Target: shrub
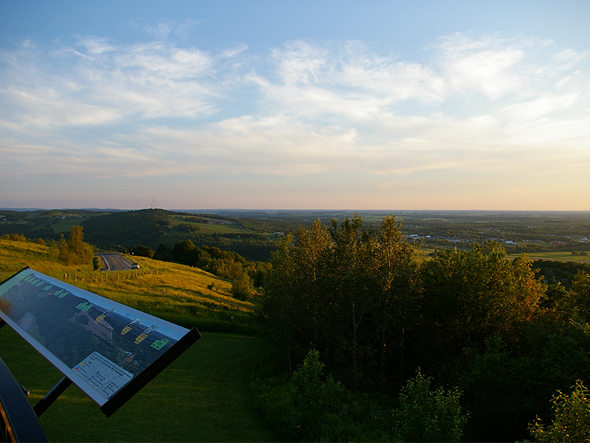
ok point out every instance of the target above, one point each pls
(427, 415)
(309, 407)
(572, 418)
(97, 263)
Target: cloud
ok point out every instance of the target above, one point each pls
(488, 65)
(101, 82)
(478, 107)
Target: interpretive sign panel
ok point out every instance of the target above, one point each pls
(107, 349)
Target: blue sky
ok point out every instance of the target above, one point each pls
(295, 105)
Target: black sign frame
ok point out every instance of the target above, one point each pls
(176, 339)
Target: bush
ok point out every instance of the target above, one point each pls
(97, 263)
(426, 415)
(572, 418)
(309, 407)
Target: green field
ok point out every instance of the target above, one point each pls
(556, 256)
(203, 396)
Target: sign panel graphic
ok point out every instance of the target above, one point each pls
(100, 345)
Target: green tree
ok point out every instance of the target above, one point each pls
(346, 292)
(395, 296)
(350, 268)
(65, 254)
(143, 251)
(241, 287)
(76, 240)
(425, 414)
(53, 250)
(571, 422)
(185, 252)
(467, 297)
(309, 406)
(578, 301)
(75, 250)
(294, 297)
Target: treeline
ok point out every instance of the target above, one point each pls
(72, 250)
(246, 276)
(559, 272)
(252, 246)
(479, 324)
(120, 229)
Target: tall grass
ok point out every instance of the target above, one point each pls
(178, 293)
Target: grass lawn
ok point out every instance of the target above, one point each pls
(203, 396)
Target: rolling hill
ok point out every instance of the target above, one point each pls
(120, 230)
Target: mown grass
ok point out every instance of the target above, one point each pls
(202, 396)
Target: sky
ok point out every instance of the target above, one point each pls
(324, 104)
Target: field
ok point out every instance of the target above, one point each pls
(180, 294)
(556, 256)
(203, 396)
(207, 226)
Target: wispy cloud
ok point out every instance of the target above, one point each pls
(480, 103)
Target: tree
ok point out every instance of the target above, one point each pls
(429, 415)
(467, 297)
(75, 240)
(309, 406)
(241, 287)
(294, 296)
(572, 417)
(143, 251)
(350, 267)
(578, 301)
(185, 252)
(347, 292)
(75, 250)
(53, 251)
(395, 304)
(163, 253)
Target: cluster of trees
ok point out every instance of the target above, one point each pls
(245, 276)
(560, 272)
(471, 320)
(310, 406)
(74, 250)
(22, 238)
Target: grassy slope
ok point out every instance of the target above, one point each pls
(181, 294)
(203, 396)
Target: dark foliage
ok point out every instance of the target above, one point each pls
(472, 319)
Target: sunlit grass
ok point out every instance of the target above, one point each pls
(181, 294)
(203, 396)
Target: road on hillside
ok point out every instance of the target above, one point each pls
(115, 262)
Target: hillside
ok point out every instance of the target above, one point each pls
(181, 294)
(120, 230)
(200, 397)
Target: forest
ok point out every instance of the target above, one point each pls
(466, 345)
